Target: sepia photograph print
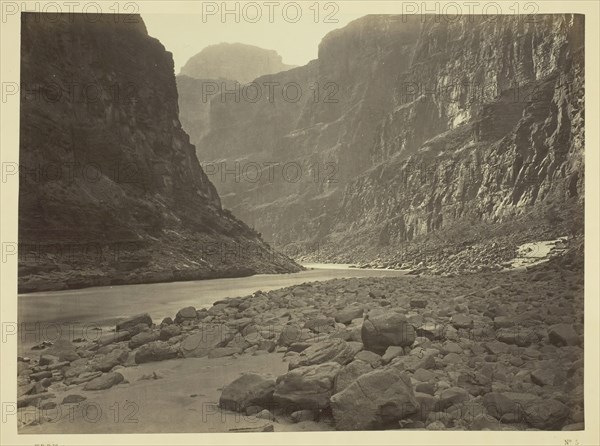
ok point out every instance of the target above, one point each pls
(264, 218)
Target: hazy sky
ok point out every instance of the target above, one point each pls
(187, 34)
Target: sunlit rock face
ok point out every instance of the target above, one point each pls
(407, 128)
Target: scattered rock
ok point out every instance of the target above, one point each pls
(350, 373)
(104, 382)
(248, 390)
(307, 387)
(369, 357)
(201, 343)
(186, 314)
(383, 330)
(156, 351)
(563, 335)
(547, 414)
(131, 323)
(73, 399)
(143, 338)
(64, 350)
(302, 415)
(375, 400)
(346, 315)
(335, 350)
(115, 357)
(392, 352)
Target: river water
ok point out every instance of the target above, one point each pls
(104, 305)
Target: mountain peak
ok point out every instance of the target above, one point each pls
(234, 61)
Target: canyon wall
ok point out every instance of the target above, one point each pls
(111, 190)
(410, 129)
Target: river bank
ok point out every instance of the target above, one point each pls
(497, 350)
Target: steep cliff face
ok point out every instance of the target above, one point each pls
(111, 190)
(220, 69)
(472, 127)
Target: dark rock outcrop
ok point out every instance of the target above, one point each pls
(111, 190)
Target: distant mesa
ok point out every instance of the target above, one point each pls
(234, 61)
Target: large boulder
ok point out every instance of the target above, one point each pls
(385, 329)
(169, 331)
(107, 362)
(209, 337)
(248, 390)
(336, 350)
(292, 334)
(307, 387)
(64, 350)
(346, 315)
(133, 322)
(547, 414)
(375, 400)
(143, 338)
(105, 381)
(155, 351)
(350, 373)
(320, 325)
(186, 314)
(562, 335)
(111, 338)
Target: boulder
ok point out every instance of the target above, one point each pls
(375, 400)
(546, 414)
(143, 338)
(33, 400)
(155, 351)
(308, 387)
(411, 362)
(517, 335)
(64, 350)
(382, 330)
(563, 335)
(201, 343)
(461, 321)
(186, 314)
(292, 334)
(346, 315)
(418, 303)
(115, 357)
(369, 357)
(48, 359)
(392, 352)
(104, 382)
(303, 415)
(544, 377)
(320, 325)
(74, 398)
(336, 350)
(451, 396)
(131, 325)
(248, 390)
(498, 405)
(168, 331)
(350, 373)
(111, 338)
